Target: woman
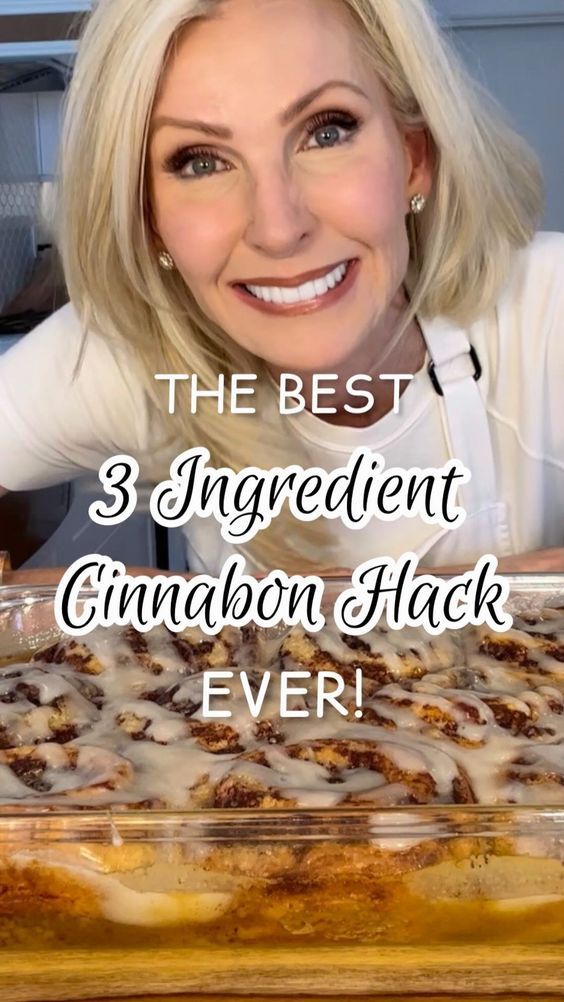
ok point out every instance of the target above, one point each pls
(302, 186)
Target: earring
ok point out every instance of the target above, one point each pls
(166, 261)
(417, 204)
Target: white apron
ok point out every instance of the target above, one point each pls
(467, 435)
(455, 371)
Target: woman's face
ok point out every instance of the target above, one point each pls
(280, 182)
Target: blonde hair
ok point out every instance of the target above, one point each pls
(485, 203)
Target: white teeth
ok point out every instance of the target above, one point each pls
(307, 291)
(289, 295)
(299, 293)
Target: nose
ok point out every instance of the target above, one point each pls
(279, 221)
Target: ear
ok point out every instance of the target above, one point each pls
(419, 158)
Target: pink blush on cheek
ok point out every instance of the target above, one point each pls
(199, 234)
(374, 195)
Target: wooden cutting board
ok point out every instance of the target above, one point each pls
(50, 976)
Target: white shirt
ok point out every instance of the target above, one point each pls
(54, 427)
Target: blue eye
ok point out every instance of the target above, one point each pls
(331, 128)
(325, 131)
(203, 162)
(328, 135)
(203, 165)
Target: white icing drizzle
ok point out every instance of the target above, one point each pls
(116, 720)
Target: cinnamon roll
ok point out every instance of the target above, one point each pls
(70, 652)
(431, 729)
(383, 655)
(68, 773)
(38, 705)
(116, 721)
(536, 775)
(532, 650)
(327, 772)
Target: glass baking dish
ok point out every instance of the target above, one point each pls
(354, 876)
(206, 879)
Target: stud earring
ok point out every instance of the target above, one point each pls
(417, 204)
(166, 261)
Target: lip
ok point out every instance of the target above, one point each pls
(296, 309)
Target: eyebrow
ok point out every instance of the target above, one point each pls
(285, 118)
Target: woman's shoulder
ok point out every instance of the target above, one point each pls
(81, 357)
(546, 250)
(520, 343)
(546, 243)
(538, 270)
(71, 396)
(65, 333)
(58, 333)
(530, 305)
(521, 348)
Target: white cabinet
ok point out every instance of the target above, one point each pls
(38, 29)
(36, 53)
(16, 7)
(49, 109)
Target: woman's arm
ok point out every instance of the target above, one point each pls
(67, 403)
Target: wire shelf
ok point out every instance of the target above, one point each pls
(20, 190)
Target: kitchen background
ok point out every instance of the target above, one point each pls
(515, 47)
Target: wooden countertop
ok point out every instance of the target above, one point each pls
(466, 974)
(325, 998)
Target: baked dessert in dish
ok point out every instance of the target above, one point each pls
(435, 815)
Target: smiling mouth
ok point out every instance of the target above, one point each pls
(307, 292)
